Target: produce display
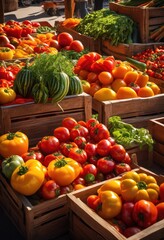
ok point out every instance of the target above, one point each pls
(106, 78)
(142, 3)
(76, 155)
(131, 203)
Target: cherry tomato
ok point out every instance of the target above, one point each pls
(50, 190)
(66, 189)
(105, 165)
(49, 144)
(93, 201)
(103, 147)
(89, 178)
(117, 152)
(89, 168)
(69, 122)
(62, 134)
(78, 180)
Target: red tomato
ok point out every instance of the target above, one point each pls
(93, 201)
(161, 191)
(130, 231)
(69, 122)
(126, 213)
(91, 123)
(111, 140)
(145, 213)
(78, 180)
(76, 46)
(121, 168)
(160, 208)
(35, 24)
(80, 141)
(62, 134)
(66, 189)
(127, 158)
(54, 43)
(77, 131)
(117, 152)
(51, 157)
(27, 22)
(50, 190)
(89, 168)
(82, 123)
(28, 155)
(93, 159)
(90, 149)
(78, 154)
(49, 144)
(39, 156)
(99, 132)
(105, 165)
(103, 147)
(66, 147)
(64, 39)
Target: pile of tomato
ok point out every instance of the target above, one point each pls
(154, 59)
(83, 152)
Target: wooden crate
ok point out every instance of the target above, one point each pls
(38, 120)
(147, 19)
(88, 42)
(44, 221)
(126, 50)
(156, 128)
(86, 224)
(129, 109)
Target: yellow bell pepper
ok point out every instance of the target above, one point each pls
(112, 185)
(64, 171)
(137, 186)
(6, 53)
(111, 205)
(28, 178)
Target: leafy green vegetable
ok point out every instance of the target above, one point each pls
(107, 24)
(127, 135)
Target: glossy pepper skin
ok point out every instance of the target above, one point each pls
(7, 95)
(64, 171)
(111, 204)
(10, 164)
(28, 178)
(13, 143)
(6, 53)
(139, 186)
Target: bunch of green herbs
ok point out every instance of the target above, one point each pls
(106, 24)
(128, 135)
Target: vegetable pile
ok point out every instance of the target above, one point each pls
(76, 155)
(107, 24)
(154, 60)
(130, 203)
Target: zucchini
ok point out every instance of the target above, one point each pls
(139, 65)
